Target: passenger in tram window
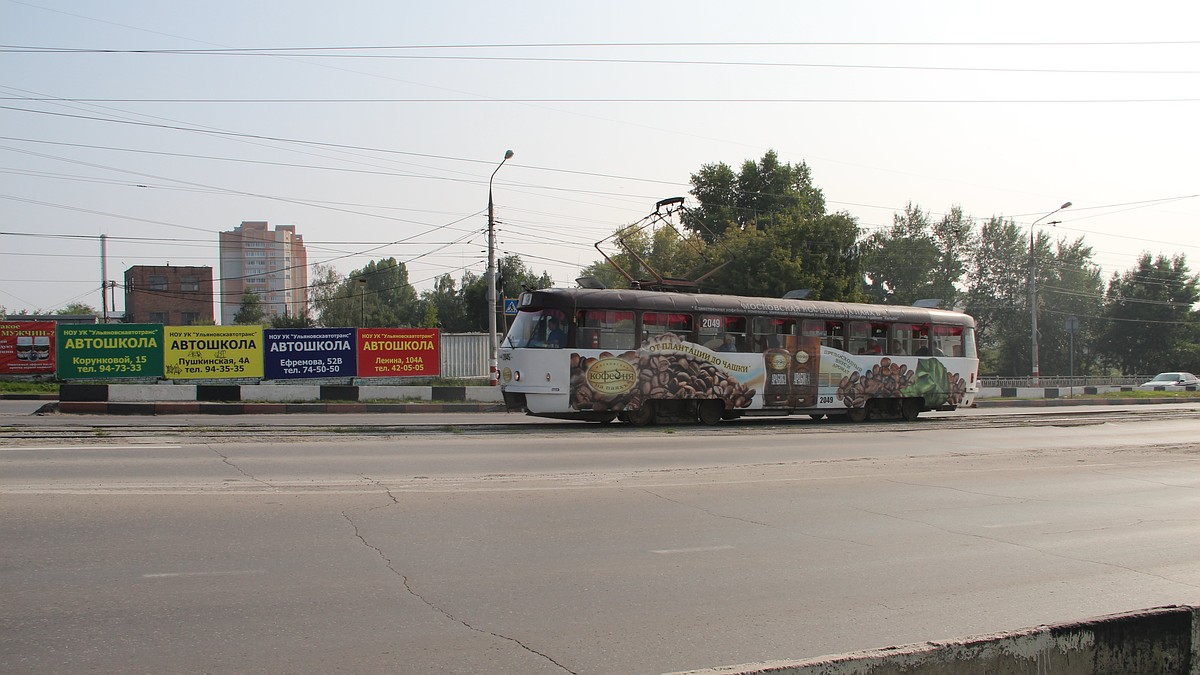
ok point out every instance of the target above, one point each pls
(873, 347)
(897, 348)
(728, 343)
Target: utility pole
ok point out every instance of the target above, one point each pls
(493, 342)
(104, 276)
(1033, 313)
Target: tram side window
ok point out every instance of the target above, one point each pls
(867, 338)
(604, 329)
(835, 335)
(948, 340)
(657, 323)
(723, 333)
(910, 338)
(771, 332)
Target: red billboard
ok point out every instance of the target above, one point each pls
(27, 347)
(398, 352)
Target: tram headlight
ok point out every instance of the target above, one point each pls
(517, 375)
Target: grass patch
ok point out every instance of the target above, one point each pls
(1146, 394)
(28, 388)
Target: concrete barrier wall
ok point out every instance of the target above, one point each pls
(272, 393)
(1162, 641)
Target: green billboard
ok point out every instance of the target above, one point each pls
(103, 351)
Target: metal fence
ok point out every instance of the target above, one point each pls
(464, 356)
(1064, 381)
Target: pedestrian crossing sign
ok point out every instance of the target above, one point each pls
(510, 307)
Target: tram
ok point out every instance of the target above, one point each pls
(646, 356)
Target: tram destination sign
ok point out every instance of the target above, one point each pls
(105, 351)
(309, 352)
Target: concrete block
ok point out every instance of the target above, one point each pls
(152, 392)
(280, 393)
(83, 392)
(382, 393)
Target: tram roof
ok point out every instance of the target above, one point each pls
(612, 298)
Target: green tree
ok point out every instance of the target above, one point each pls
(762, 229)
(77, 308)
(668, 251)
(759, 194)
(917, 258)
(251, 310)
(819, 255)
(287, 321)
(997, 296)
(512, 277)
(445, 303)
(1069, 285)
(1149, 312)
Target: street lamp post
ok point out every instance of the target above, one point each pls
(493, 342)
(1033, 313)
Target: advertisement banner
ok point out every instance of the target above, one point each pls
(215, 352)
(309, 352)
(92, 351)
(399, 352)
(27, 347)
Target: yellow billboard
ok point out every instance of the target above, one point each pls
(212, 352)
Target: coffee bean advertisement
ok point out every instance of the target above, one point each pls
(798, 374)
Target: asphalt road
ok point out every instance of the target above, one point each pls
(555, 549)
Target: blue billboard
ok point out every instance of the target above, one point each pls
(290, 353)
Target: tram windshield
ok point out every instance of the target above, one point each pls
(539, 329)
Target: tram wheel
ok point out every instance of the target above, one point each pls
(641, 417)
(910, 408)
(857, 415)
(710, 411)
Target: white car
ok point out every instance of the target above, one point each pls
(1171, 382)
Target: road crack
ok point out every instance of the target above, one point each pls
(430, 604)
(239, 469)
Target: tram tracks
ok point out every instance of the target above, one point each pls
(126, 431)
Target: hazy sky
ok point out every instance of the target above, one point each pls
(373, 126)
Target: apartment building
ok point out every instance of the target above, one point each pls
(170, 295)
(271, 262)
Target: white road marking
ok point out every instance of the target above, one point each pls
(698, 549)
(172, 575)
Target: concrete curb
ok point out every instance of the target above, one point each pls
(1060, 402)
(1158, 640)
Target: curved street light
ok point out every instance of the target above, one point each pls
(493, 343)
(1033, 313)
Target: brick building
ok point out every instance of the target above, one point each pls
(272, 263)
(170, 295)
